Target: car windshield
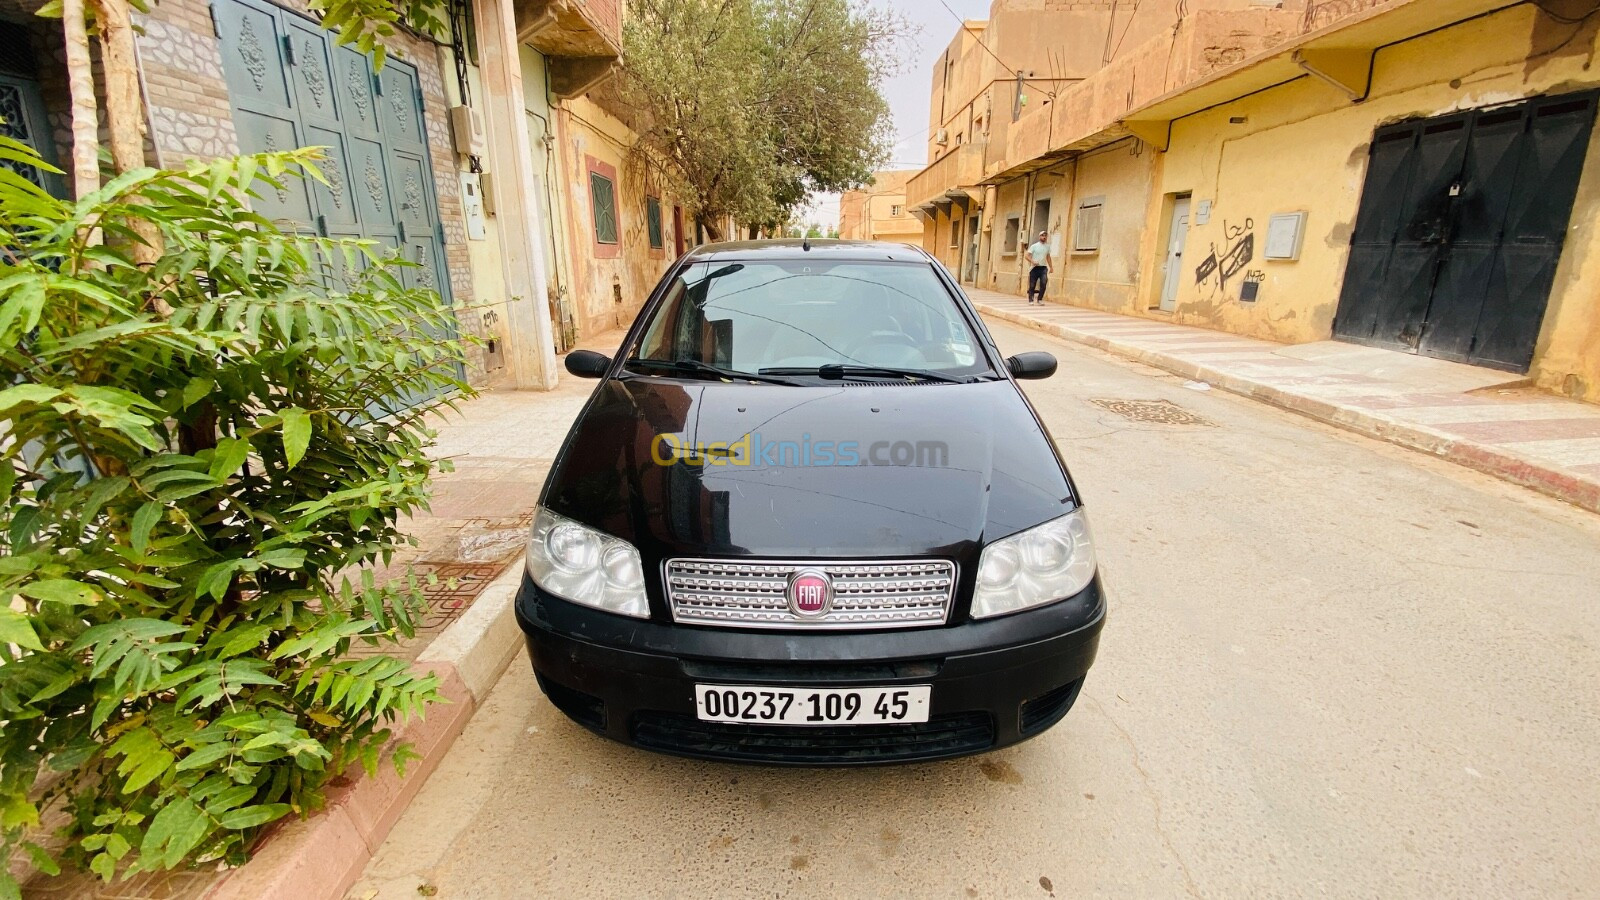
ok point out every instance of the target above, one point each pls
(792, 318)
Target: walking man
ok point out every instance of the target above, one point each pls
(1039, 275)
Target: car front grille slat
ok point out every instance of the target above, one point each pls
(736, 594)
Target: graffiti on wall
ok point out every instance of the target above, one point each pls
(1237, 252)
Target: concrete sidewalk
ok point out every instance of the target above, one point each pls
(1475, 417)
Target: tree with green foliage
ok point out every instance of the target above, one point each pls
(201, 457)
(747, 106)
(210, 432)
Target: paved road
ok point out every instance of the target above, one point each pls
(1332, 668)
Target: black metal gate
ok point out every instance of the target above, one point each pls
(1461, 226)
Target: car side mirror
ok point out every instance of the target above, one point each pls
(589, 364)
(1033, 364)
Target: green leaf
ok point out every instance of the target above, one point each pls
(217, 579)
(62, 590)
(16, 629)
(17, 395)
(177, 829)
(143, 521)
(199, 386)
(251, 816)
(296, 434)
(41, 859)
(289, 558)
(205, 756)
(229, 455)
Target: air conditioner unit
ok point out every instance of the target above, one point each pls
(941, 137)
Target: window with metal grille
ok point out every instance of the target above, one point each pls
(652, 220)
(894, 210)
(603, 194)
(1087, 225)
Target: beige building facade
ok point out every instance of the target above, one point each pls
(878, 212)
(1415, 175)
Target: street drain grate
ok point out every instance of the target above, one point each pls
(1153, 412)
(459, 584)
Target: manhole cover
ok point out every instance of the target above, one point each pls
(1155, 412)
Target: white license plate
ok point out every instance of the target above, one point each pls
(812, 706)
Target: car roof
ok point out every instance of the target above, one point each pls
(797, 248)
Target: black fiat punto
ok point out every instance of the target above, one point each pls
(808, 518)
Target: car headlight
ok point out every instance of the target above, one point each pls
(579, 563)
(1046, 563)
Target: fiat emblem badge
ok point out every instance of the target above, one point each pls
(810, 593)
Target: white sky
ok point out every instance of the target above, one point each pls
(907, 92)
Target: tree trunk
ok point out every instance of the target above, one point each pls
(125, 120)
(124, 106)
(709, 224)
(80, 84)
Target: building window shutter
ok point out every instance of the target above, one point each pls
(1087, 225)
(604, 196)
(652, 216)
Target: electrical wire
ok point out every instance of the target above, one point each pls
(1562, 18)
(1125, 29)
(979, 40)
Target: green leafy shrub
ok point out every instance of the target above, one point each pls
(198, 459)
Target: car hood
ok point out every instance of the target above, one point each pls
(859, 470)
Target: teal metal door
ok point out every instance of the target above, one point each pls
(291, 86)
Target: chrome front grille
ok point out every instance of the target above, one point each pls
(892, 594)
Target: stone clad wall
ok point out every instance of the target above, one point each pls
(183, 83)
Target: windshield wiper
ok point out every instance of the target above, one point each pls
(839, 372)
(695, 367)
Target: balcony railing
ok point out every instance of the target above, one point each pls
(960, 168)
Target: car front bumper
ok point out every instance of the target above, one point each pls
(994, 682)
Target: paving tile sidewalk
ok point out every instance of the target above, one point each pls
(1476, 417)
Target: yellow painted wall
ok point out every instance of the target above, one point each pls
(1004, 263)
(1303, 146)
(1120, 176)
(586, 131)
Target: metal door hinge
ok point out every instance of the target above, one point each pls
(216, 27)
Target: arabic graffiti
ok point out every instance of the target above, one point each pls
(1239, 250)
